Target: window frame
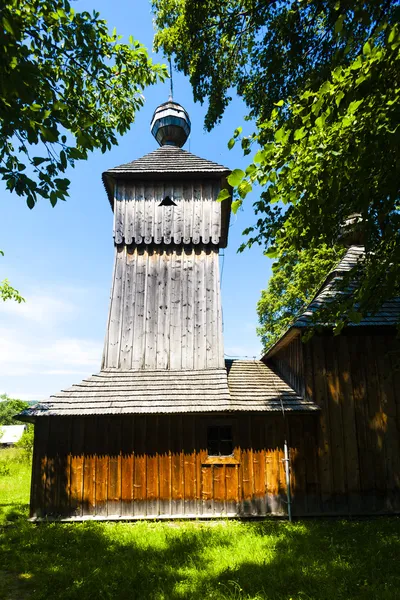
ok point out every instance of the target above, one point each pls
(232, 459)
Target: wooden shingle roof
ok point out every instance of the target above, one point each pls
(168, 159)
(387, 315)
(242, 386)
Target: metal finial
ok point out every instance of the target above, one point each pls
(171, 89)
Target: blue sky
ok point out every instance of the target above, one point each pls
(61, 259)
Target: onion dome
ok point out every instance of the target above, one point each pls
(170, 124)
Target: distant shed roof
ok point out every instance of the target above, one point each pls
(166, 161)
(250, 386)
(10, 434)
(387, 316)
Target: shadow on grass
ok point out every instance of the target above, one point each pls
(272, 560)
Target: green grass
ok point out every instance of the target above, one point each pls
(274, 560)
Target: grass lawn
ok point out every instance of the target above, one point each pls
(274, 560)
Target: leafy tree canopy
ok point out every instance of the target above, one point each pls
(322, 81)
(67, 87)
(7, 292)
(294, 280)
(10, 407)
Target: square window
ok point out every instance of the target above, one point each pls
(219, 440)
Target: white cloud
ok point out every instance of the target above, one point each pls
(23, 355)
(39, 308)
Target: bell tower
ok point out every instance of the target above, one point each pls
(165, 307)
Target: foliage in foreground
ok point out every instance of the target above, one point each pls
(67, 87)
(322, 81)
(10, 407)
(294, 281)
(264, 560)
(7, 292)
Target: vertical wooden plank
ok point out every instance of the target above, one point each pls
(114, 466)
(177, 465)
(324, 434)
(151, 314)
(101, 466)
(39, 468)
(310, 423)
(388, 426)
(140, 485)
(207, 506)
(139, 213)
(177, 225)
(89, 466)
(336, 423)
(198, 455)
(127, 466)
(232, 488)
(149, 202)
(377, 421)
(158, 213)
(349, 424)
(129, 212)
(140, 318)
(258, 445)
(77, 448)
(127, 336)
(199, 312)
(152, 475)
(219, 489)
(163, 309)
(189, 465)
(164, 464)
(177, 311)
(116, 307)
(297, 465)
(62, 437)
(359, 385)
(210, 312)
(187, 357)
(219, 341)
(168, 215)
(247, 466)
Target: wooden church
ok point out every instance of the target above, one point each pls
(168, 428)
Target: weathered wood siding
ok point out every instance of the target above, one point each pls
(165, 309)
(355, 379)
(196, 218)
(289, 364)
(149, 466)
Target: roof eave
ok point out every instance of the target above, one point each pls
(283, 341)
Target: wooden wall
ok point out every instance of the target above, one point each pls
(150, 466)
(195, 218)
(165, 309)
(355, 379)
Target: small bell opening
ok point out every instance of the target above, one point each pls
(167, 202)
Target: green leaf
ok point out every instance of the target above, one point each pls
(236, 177)
(259, 156)
(339, 97)
(280, 103)
(223, 195)
(236, 204)
(237, 132)
(299, 134)
(271, 252)
(339, 24)
(37, 160)
(354, 105)
(231, 143)
(244, 188)
(367, 48)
